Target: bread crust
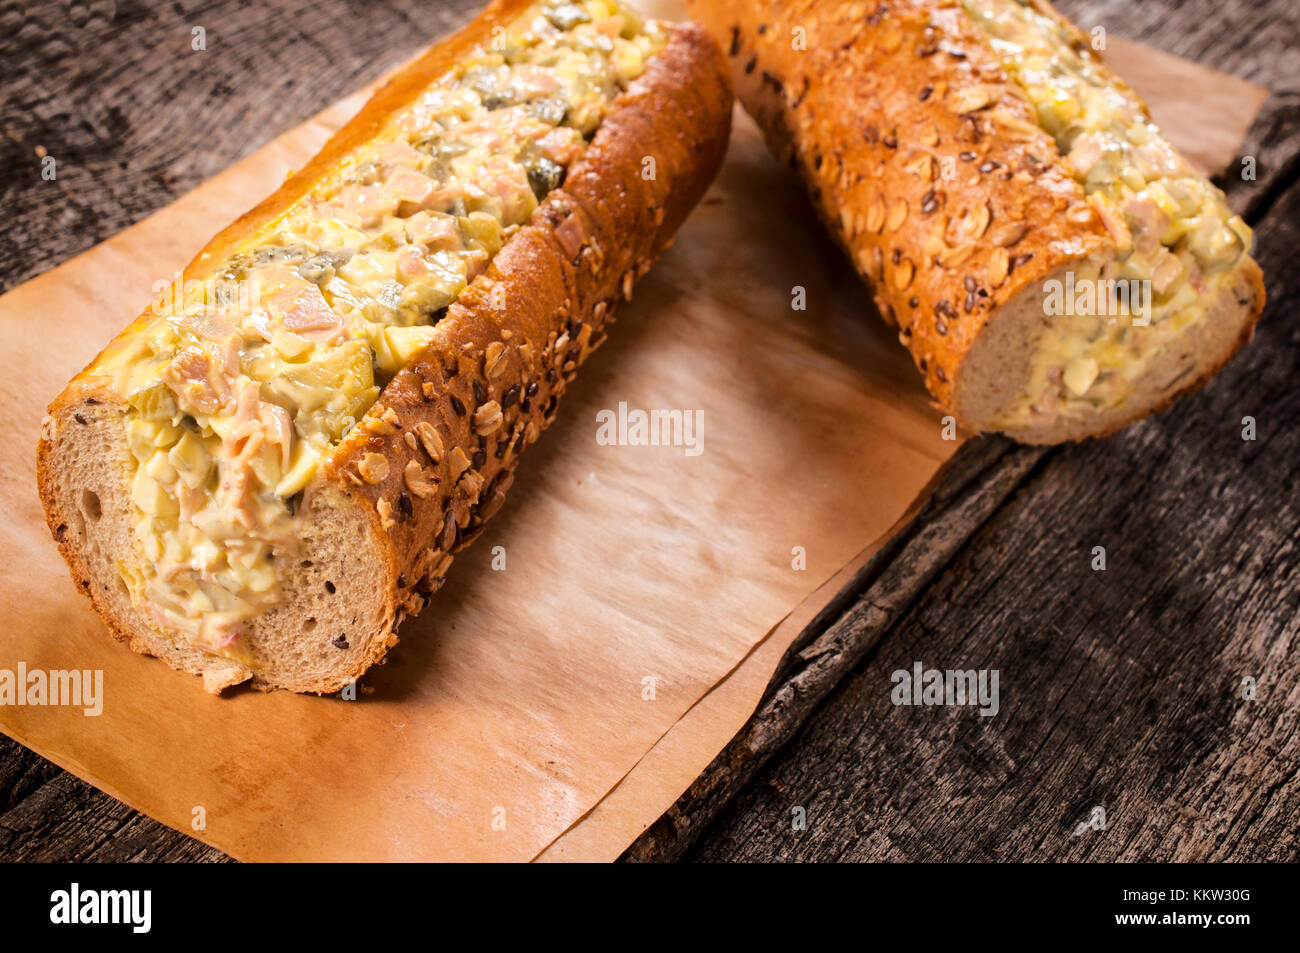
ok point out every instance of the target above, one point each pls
(546, 299)
(925, 161)
(507, 348)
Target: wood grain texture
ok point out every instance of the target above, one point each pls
(1120, 689)
(135, 117)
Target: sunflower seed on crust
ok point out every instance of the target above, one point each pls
(429, 439)
(999, 265)
(459, 464)
(373, 468)
(416, 480)
(492, 363)
(897, 215)
(487, 419)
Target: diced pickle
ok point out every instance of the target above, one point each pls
(342, 371)
(565, 16)
(318, 269)
(549, 109)
(424, 299)
(544, 176)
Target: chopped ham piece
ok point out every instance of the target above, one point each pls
(531, 81)
(476, 262)
(505, 180)
(1157, 160)
(433, 231)
(191, 500)
(1112, 220)
(209, 325)
(258, 322)
(217, 337)
(493, 132)
(1149, 223)
(443, 199)
(241, 448)
(396, 152)
(225, 632)
(411, 189)
(191, 377)
(275, 276)
(247, 418)
(278, 427)
(410, 263)
(362, 205)
(570, 235)
(305, 312)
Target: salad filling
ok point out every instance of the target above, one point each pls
(240, 388)
(1178, 239)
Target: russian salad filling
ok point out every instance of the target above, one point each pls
(241, 388)
(1173, 228)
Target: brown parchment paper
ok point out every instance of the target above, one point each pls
(514, 718)
(1207, 114)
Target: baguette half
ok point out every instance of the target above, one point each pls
(413, 481)
(989, 176)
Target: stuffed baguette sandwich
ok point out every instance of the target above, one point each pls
(259, 478)
(1055, 267)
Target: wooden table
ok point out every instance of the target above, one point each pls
(1121, 689)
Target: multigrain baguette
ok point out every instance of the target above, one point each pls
(412, 481)
(979, 164)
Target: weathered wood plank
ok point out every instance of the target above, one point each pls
(136, 118)
(1215, 39)
(66, 820)
(1120, 689)
(21, 772)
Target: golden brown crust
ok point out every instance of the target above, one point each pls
(516, 336)
(398, 92)
(433, 458)
(950, 208)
